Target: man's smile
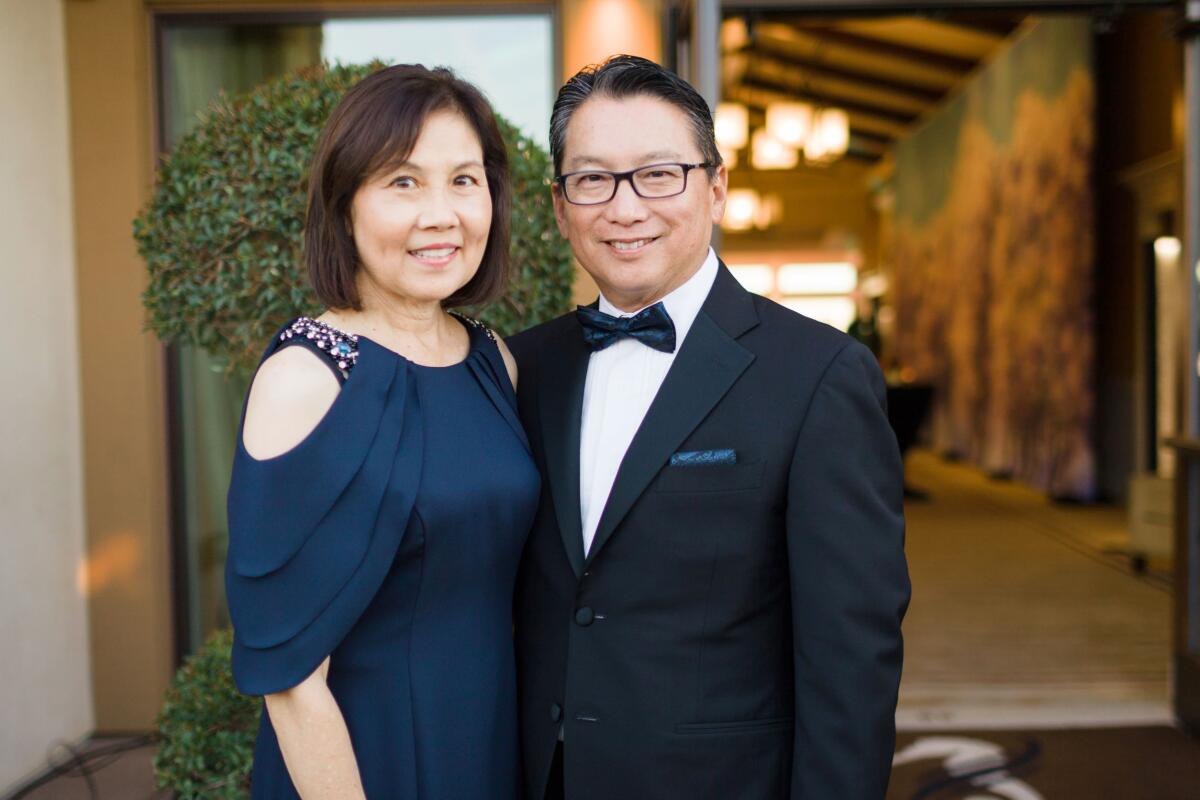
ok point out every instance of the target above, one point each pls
(630, 246)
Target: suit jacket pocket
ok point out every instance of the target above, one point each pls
(710, 478)
(742, 726)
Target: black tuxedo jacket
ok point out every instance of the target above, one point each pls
(734, 632)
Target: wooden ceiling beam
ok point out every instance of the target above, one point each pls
(855, 41)
(924, 35)
(844, 52)
(758, 81)
(759, 67)
(918, 93)
(998, 23)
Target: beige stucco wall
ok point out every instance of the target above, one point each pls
(45, 689)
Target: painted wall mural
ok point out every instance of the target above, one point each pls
(992, 262)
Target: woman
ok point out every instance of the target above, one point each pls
(382, 487)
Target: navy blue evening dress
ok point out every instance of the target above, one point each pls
(389, 538)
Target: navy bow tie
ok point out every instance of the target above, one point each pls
(651, 326)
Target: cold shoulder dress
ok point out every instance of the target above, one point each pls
(389, 539)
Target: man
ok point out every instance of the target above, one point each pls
(709, 604)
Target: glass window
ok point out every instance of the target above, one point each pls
(509, 56)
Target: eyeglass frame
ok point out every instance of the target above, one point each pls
(627, 175)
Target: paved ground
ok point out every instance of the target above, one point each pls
(124, 775)
(1021, 614)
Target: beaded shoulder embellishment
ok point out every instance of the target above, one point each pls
(342, 347)
(474, 323)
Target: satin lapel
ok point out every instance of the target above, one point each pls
(709, 362)
(560, 405)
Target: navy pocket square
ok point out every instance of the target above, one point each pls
(703, 458)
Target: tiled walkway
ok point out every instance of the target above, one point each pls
(1021, 616)
(127, 775)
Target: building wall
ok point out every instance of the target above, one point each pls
(45, 692)
(994, 261)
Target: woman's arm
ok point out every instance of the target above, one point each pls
(314, 741)
(292, 392)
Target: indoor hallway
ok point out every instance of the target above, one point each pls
(1025, 613)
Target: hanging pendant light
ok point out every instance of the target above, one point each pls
(830, 136)
(732, 124)
(741, 209)
(790, 123)
(767, 152)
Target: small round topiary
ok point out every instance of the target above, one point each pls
(207, 728)
(223, 232)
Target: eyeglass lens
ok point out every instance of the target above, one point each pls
(661, 180)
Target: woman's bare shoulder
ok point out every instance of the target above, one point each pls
(291, 394)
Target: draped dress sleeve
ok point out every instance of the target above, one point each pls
(306, 551)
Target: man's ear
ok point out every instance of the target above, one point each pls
(719, 186)
(560, 209)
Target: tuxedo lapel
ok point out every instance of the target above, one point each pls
(709, 361)
(560, 404)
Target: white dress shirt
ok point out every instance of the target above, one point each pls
(622, 380)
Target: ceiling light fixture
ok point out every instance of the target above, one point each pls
(790, 123)
(767, 152)
(732, 125)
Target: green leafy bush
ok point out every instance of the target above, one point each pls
(222, 235)
(207, 728)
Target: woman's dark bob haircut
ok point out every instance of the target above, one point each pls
(374, 128)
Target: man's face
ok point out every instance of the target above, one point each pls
(638, 250)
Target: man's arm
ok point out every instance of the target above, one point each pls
(849, 584)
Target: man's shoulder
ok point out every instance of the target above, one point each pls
(793, 335)
(529, 343)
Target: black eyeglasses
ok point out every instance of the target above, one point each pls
(591, 187)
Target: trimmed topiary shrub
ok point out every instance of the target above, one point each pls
(207, 728)
(222, 235)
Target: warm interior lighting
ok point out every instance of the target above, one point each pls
(1167, 248)
(767, 152)
(735, 34)
(874, 285)
(741, 207)
(790, 123)
(770, 210)
(732, 125)
(836, 311)
(829, 138)
(756, 278)
(825, 277)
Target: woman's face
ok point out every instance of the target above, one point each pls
(421, 228)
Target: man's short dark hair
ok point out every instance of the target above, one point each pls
(630, 76)
(374, 128)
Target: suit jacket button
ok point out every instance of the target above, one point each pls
(584, 616)
(555, 712)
